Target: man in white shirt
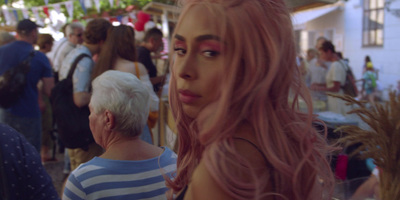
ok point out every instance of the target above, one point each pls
(74, 33)
(318, 70)
(335, 78)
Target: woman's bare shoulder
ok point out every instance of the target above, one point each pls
(248, 146)
(142, 69)
(203, 185)
(124, 66)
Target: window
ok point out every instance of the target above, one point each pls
(373, 23)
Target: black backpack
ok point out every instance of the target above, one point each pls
(13, 82)
(72, 121)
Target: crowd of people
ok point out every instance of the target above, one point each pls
(32, 115)
(232, 93)
(324, 71)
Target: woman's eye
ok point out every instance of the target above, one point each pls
(210, 53)
(180, 51)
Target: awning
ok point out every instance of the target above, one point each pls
(302, 17)
(298, 5)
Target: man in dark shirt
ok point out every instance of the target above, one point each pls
(24, 115)
(152, 43)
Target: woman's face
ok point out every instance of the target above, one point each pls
(324, 55)
(198, 61)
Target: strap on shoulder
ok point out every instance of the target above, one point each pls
(252, 144)
(344, 65)
(27, 62)
(74, 64)
(137, 70)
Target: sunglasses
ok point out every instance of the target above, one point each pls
(78, 35)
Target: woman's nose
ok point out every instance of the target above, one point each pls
(187, 68)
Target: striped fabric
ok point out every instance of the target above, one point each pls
(115, 179)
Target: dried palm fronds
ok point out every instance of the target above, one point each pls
(382, 142)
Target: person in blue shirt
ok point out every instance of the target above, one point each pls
(130, 168)
(24, 115)
(369, 83)
(21, 171)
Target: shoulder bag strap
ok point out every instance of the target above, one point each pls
(74, 64)
(137, 70)
(346, 70)
(28, 61)
(344, 66)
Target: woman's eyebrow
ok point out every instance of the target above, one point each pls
(199, 38)
(207, 37)
(179, 37)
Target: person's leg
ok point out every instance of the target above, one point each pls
(371, 97)
(67, 163)
(47, 128)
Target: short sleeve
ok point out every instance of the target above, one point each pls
(339, 73)
(73, 189)
(82, 75)
(46, 71)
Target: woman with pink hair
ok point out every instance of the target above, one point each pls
(233, 76)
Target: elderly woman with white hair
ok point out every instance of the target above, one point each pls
(129, 168)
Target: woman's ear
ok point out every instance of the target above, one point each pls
(109, 120)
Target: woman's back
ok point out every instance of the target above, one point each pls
(124, 65)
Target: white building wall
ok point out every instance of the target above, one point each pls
(330, 22)
(386, 58)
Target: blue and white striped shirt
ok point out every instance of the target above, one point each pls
(121, 179)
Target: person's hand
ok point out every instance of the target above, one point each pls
(162, 78)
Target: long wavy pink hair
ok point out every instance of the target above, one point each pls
(261, 80)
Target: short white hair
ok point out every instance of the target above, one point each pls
(125, 97)
(71, 27)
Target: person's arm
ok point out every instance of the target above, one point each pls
(48, 85)
(81, 98)
(47, 73)
(42, 105)
(337, 74)
(367, 189)
(157, 79)
(145, 59)
(203, 186)
(322, 87)
(82, 82)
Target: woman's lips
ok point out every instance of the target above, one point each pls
(187, 96)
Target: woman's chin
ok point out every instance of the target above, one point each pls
(190, 111)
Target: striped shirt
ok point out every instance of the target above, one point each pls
(121, 179)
